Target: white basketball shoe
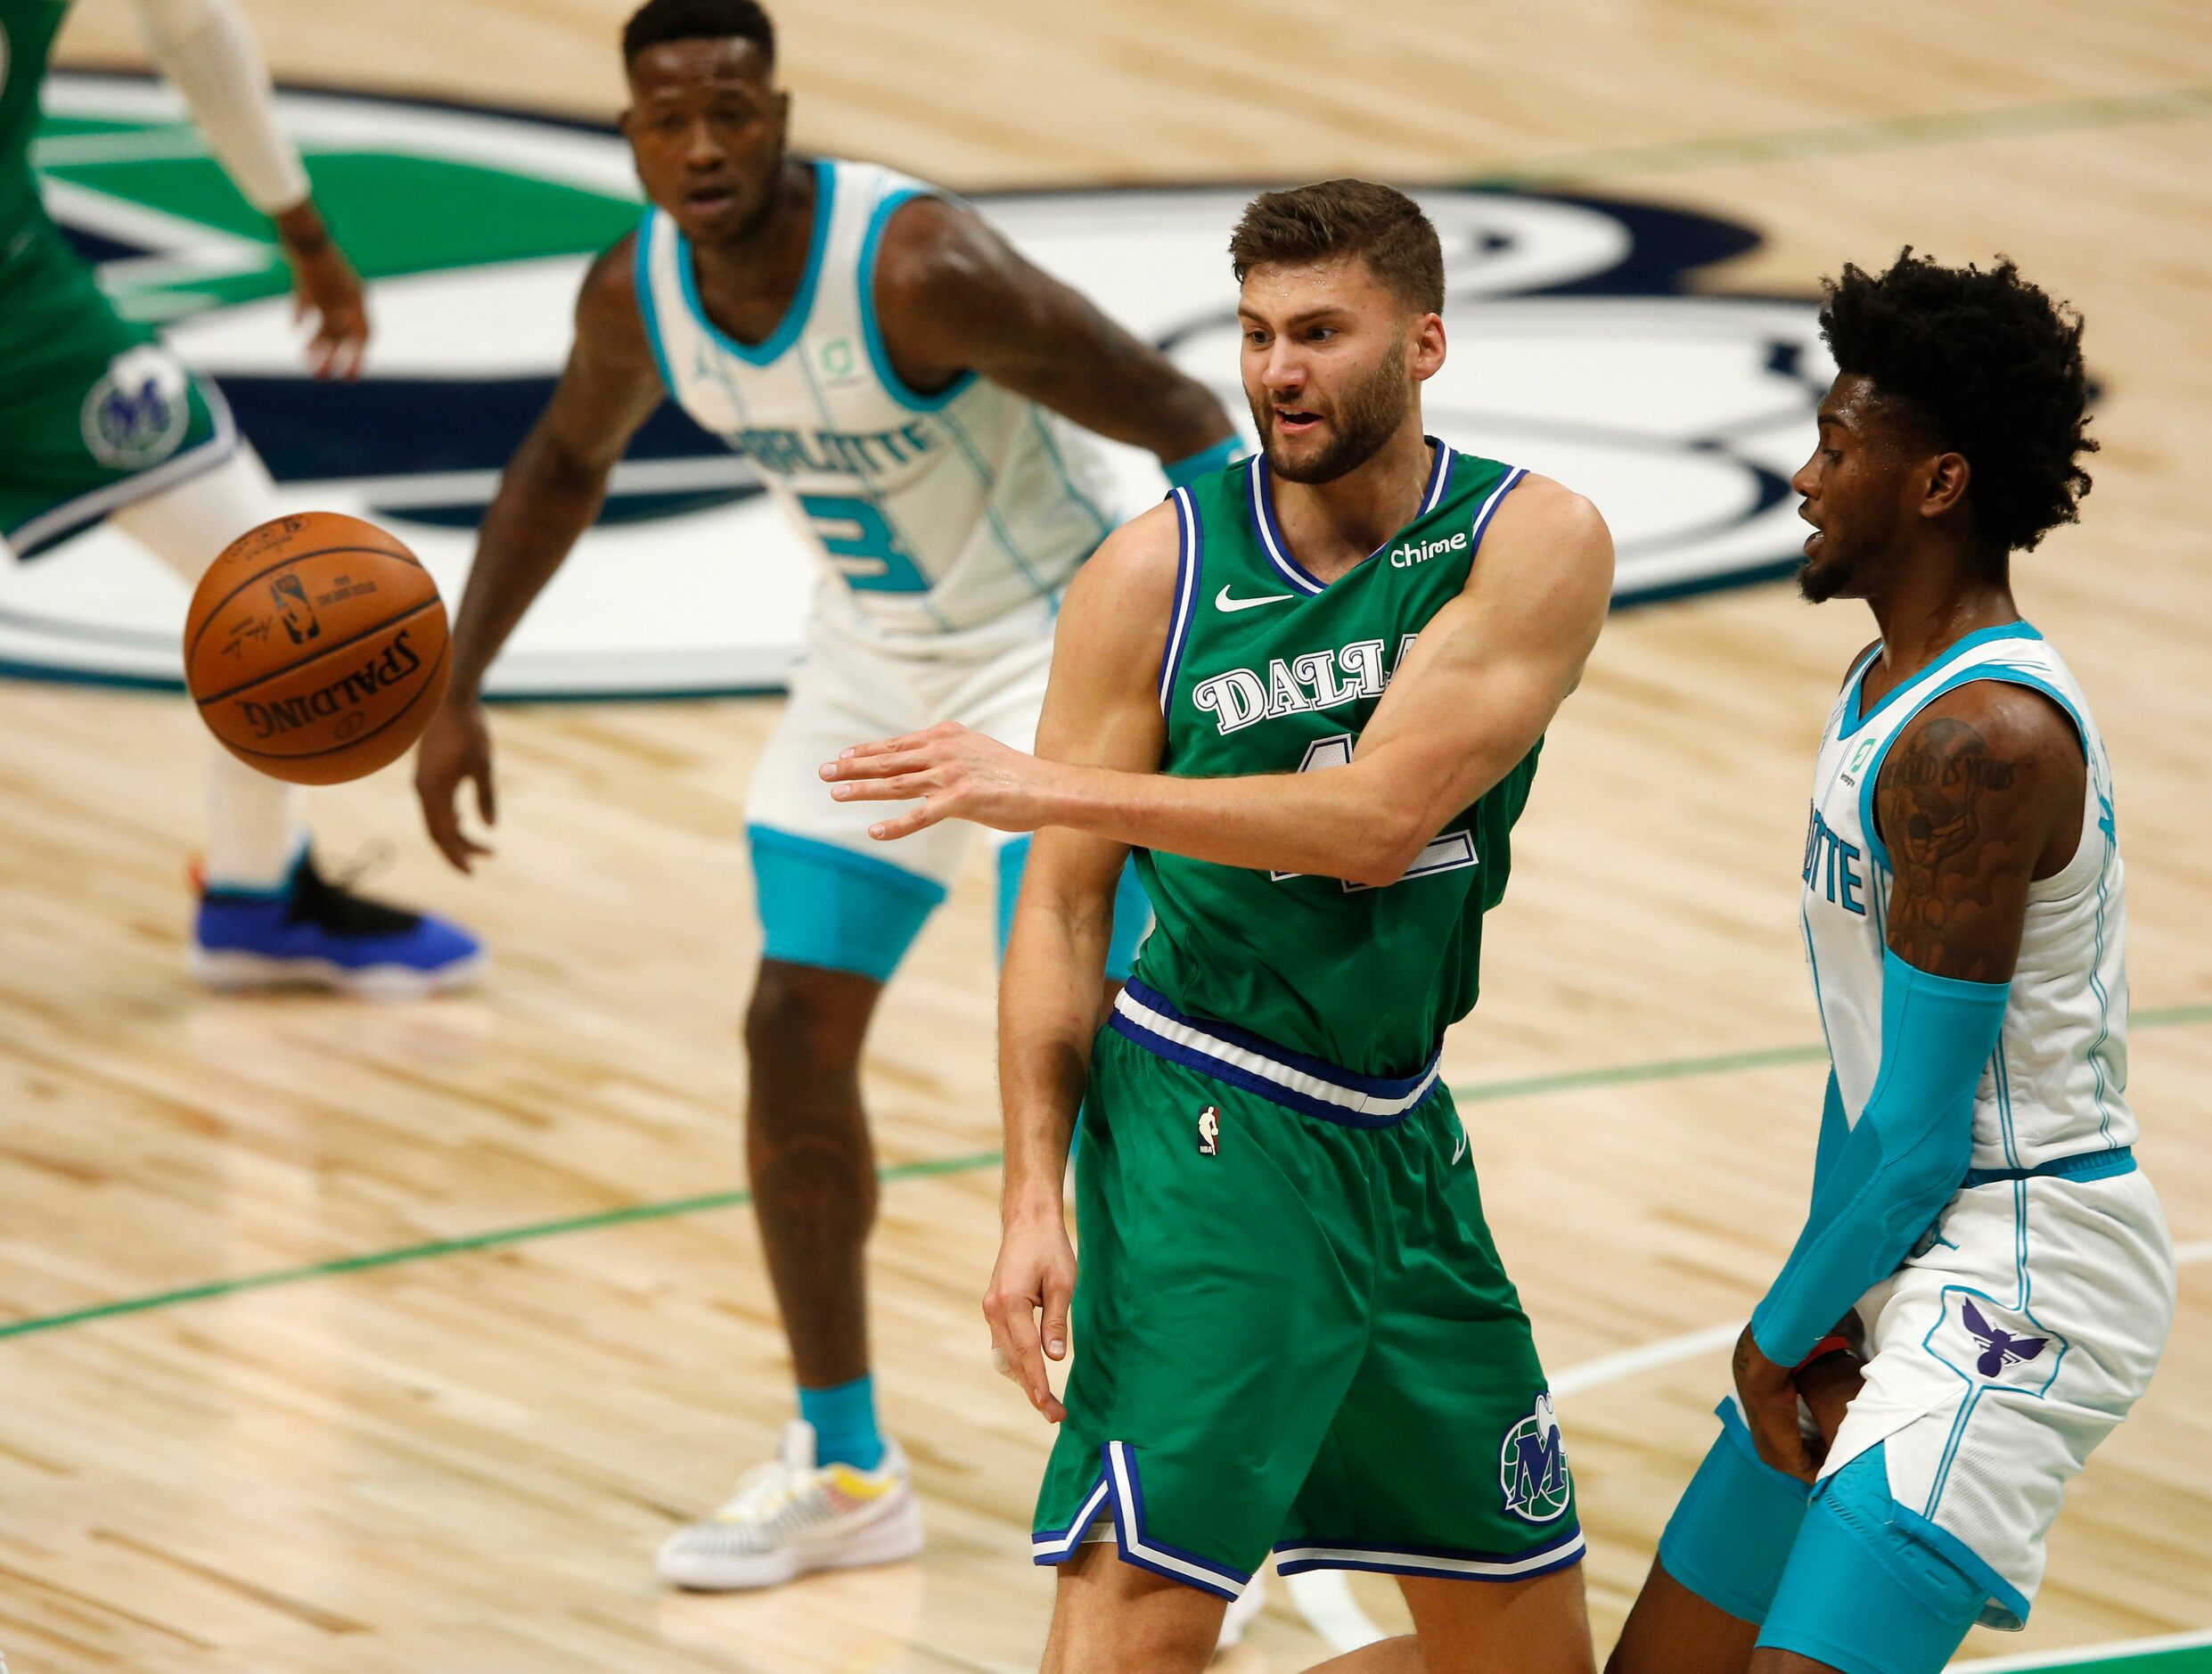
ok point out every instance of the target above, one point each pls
(791, 1516)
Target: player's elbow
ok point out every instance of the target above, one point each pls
(1388, 847)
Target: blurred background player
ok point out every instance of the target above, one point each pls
(1976, 1204)
(901, 378)
(98, 419)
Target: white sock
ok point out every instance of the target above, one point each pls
(256, 824)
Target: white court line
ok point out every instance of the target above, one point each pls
(1325, 1596)
(1613, 1367)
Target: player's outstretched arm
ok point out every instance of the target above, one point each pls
(1981, 795)
(954, 297)
(548, 496)
(1471, 699)
(207, 50)
(1102, 708)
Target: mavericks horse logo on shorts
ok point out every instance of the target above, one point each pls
(1532, 1465)
(136, 415)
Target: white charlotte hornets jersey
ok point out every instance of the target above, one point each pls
(2056, 1084)
(932, 514)
(2030, 1317)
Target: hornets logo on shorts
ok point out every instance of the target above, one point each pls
(1532, 1465)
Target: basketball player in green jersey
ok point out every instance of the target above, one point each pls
(1308, 692)
(98, 419)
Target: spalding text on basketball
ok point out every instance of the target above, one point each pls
(399, 661)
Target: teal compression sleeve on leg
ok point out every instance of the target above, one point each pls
(1903, 1158)
(1862, 1593)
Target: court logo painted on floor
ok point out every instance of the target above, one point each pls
(1577, 349)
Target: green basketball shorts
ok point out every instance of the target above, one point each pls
(1291, 1327)
(95, 411)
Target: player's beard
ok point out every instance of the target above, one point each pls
(1819, 581)
(1851, 560)
(1367, 415)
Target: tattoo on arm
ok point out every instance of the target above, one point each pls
(1965, 826)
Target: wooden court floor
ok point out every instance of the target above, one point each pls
(336, 1338)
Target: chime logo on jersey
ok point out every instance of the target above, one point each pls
(1577, 349)
(1532, 1466)
(1405, 555)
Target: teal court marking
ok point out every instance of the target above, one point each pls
(1474, 1093)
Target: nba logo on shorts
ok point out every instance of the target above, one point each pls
(136, 413)
(1532, 1465)
(1209, 1132)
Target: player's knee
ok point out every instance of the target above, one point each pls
(1671, 1630)
(807, 1020)
(1169, 1644)
(1109, 1617)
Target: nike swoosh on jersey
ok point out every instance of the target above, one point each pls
(1222, 602)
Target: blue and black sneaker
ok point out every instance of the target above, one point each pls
(317, 933)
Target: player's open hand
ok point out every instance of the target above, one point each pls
(948, 773)
(1035, 1279)
(456, 748)
(325, 291)
(1768, 1395)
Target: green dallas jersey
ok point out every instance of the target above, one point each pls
(1269, 670)
(26, 32)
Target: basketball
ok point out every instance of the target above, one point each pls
(316, 648)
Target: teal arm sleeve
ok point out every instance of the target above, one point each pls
(1886, 1183)
(1184, 471)
(1834, 1129)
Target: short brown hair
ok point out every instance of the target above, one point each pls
(1378, 223)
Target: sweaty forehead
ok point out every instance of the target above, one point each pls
(674, 68)
(1858, 406)
(1850, 401)
(1284, 289)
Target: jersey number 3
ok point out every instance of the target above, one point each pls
(860, 543)
(1445, 853)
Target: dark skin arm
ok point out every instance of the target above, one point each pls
(548, 496)
(1981, 796)
(954, 297)
(325, 286)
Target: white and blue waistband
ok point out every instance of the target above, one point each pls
(1243, 1059)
